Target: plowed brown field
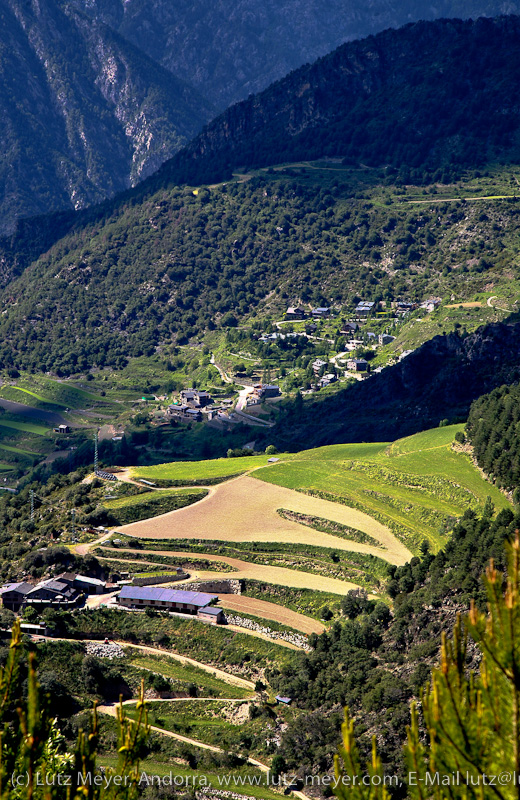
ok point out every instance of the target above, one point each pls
(245, 510)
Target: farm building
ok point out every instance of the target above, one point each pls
(295, 312)
(12, 595)
(83, 583)
(321, 312)
(179, 600)
(196, 398)
(211, 614)
(52, 592)
(34, 629)
(364, 308)
(265, 390)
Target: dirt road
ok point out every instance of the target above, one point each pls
(234, 680)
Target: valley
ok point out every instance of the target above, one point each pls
(351, 515)
(259, 400)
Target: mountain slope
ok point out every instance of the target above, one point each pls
(438, 380)
(84, 113)
(231, 48)
(137, 276)
(424, 96)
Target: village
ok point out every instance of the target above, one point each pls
(345, 350)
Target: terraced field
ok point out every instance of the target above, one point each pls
(186, 472)
(245, 510)
(416, 486)
(398, 494)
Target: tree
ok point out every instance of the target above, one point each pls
(472, 721)
(278, 766)
(33, 751)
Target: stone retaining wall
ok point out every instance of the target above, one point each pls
(298, 639)
(229, 586)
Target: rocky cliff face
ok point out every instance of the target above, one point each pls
(84, 113)
(231, 48)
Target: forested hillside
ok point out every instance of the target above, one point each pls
(424, 97)
(375, 663)
(229, 49)
(139, 275)
(494, 431)
(84, 113)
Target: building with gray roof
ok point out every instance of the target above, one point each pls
(179, 600)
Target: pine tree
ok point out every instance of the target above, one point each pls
(464, 736)
(34, 762)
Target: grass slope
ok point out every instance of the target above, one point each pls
(186, 673)
(186, 472)
(417, 485)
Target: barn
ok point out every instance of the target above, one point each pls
(178, 600)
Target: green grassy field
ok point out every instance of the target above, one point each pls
(25, 427)
(37, 390)
(186, 472)
(132, 508)
(417, 486)
(150, 497)
(202, 721)
(18, 450)
(205, 682)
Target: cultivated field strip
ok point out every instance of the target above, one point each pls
(261, 608)
(278, 576)
(245, 510)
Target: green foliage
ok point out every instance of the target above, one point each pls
(202, 261)
(494, 431)
(34, 760)
(471, 720)
(375, 662)
(239, 452)
(326, 526)
(417, 486)
(131, 509)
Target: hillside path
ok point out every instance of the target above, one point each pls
(234, 680)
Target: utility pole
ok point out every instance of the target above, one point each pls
(32, 505)
(73, 513)
(96, 451)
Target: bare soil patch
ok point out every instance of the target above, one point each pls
(266, 610)
(245, 510)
